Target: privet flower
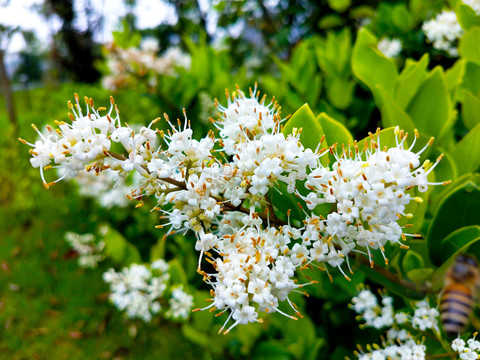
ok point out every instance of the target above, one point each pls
(443, 32)
(126, 66)
(90, 251)
(218, 187)
(137, 289)
(391, 48)
(398, 343)
(469, 350)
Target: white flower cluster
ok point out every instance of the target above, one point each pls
(370, 191)
(409, 350)
(137, 289)
(399, 343)
(376, 316)
(443, 32)
(107, 187)
(425, 317)
(181, 304)
(219, 188)
(469, 350)
(391, 48)
(125, 64)
(90, 252)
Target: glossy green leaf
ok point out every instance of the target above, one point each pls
(157, 251)
(466, 16)
(119, 249)
(420, 275)
(457, 209)
(457, 241)
(196, 336)
(387, 138)
(312, 131)
(446, 169)
(392, 286)
(450, 189)
(283, 201)
(335, 131)
(132, 255)
(393, 115)
(430, 108)
(330, 21)
(418, 210)
(271, 350)
(340, 91)
(371, 67)
(470, 109)
(339, 5)
(454, 75)
(402, 18)
(409, 80)
(202, 320)
(471, 77)
(177, 273)
(412, 260)
(468, 47)
(467, 152)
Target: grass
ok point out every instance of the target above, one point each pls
(49, 307)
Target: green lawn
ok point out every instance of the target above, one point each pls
(49, 307)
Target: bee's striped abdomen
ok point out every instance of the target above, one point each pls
(455, 307)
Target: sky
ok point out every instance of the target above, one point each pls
(150, 13)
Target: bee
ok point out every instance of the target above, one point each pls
(457, 299)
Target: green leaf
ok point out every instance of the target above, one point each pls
(330, 21)
(457, 209)
(157, 251)
(334, 54)
(454, 75)
(446, 168)
(271, 350)
(387, 138)
(466, 16)
(393, 115)
(401, 18)
(132, 255)
(470, 109)
(340, 91)
(198, 337)
(203, 320)
(335, 131)
(471, 77)
(468, 47)
(430, 108)
(450, 189)
(119, 249)
(312, 131)
(177, 273)
(389, 284)
(410, 79)
(457, 241)
(412, 260)
(371, 67)
(467, 152)
(419, 276)
(339, 5)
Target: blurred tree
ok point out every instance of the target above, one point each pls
(30, 67)
(75, 49)
(252, 30)
(6, 33)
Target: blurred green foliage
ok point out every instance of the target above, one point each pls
(336, 83)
